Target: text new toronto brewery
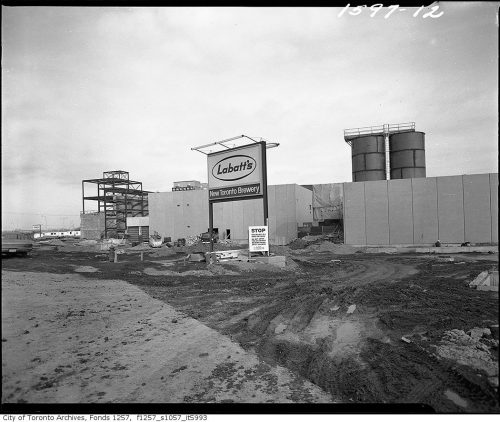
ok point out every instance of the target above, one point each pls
(249, 190)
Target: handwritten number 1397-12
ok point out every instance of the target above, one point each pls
(433, 13)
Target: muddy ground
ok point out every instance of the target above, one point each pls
(333, 326)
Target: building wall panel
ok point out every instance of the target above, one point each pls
(158, 206)
(219, 222)
(271, 204)
(494, 206)
(92, 225)
(400, 211)
(168, 215)
(281, 211)
(377, 213)
(237, 212)
(477, 208)
(354, 213)
(291, 212)
(231, 219)
(225, 216)
(178, 215)
(425, 214)
(253, 215)
(273, 238)
(304, 209)
(195, 213)
(450, 209)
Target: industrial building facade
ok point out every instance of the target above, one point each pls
(181, 214)
(420, 211)
(416, 211)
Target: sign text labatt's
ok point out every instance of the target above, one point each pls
(235, 173)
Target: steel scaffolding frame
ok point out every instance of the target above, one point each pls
(118, 197)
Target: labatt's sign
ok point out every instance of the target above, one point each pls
(235, 167)
(235, 173)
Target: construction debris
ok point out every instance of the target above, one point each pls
(192, 240)
(486, 280)
(445, 259)
(477, 333)
(196, 257)
(471, 351)
(155, 240)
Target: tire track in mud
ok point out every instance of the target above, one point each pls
(312, 334)
(299, 319)
(365, 371)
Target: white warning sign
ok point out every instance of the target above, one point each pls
(258, 239)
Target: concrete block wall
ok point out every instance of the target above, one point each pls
(425, 210)
(354, 213)
(453, 209)
(92, 225)
(304, 208)
(185, 213)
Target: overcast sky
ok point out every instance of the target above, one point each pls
(87, 90)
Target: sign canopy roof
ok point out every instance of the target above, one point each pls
(236, 141)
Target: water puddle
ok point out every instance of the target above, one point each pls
(455, 398)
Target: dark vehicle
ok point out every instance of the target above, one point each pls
(205, 237)
(16, 244)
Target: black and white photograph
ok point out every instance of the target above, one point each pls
(249, 210)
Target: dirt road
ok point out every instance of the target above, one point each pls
(67, 338)
(361, 328)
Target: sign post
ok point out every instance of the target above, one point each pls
(236, 174)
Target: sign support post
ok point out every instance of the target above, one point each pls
(264, 189)
(211, 224)
(236, 173)
(264, 183)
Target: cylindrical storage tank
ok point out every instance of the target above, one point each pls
(407, 155)
(368, 158)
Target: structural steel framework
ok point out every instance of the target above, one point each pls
(118, 197)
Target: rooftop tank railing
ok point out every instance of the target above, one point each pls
(378, 130)
(360, 131)
(401, 127)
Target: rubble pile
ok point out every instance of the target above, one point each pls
(192, 240)
(471, 349)
(106, 244)
(225, 241)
